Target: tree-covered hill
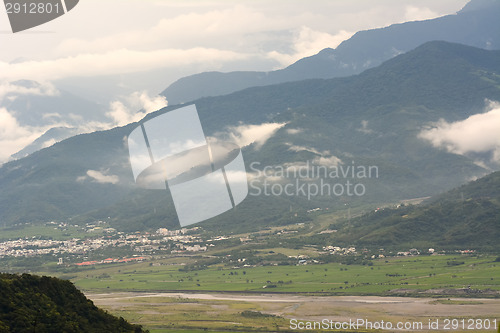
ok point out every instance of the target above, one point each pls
(465, 217)
(30, 303)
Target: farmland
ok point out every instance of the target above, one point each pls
(459, 275)
(164, 296)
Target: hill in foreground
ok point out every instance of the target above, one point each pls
(30, 303)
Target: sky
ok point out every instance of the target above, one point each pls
(122, 53)
(114, 37)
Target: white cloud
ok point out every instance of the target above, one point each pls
(414, 13)
(213, 27)
(53, 115)
(134, 107)
(150, 104)
(364, 127)
(297, 148)
(324, 158)
(11, 90)
(13, 136)
(480, 133)
(308, 42)
(49, 143)
(81, 179)
(293, 130)
(245, 135)
(330, 161)
(120, 61)
(100, 177)
(119, 113)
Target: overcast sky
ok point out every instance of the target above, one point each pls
(123, 36)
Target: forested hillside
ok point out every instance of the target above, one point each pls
(30, 303)
(465, 217)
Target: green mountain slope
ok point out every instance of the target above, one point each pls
(371, 119)
(31, 303)
(465, 217)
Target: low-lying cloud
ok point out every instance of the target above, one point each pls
(134, 108)
(414, 13)
(244, 135)
(328, 161)
(324, 158)
(480, 133)
(308, 42)
(99, 177)
(11, 90)
(13, 136)
(364, 127)
(293, 131)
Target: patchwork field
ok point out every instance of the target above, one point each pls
(440, 275)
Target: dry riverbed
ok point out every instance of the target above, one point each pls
(198, 309)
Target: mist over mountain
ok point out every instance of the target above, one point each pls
(30, 110)
(36, 115)
(373, 119)
(47, 139)
(39, 104)
(476, 25)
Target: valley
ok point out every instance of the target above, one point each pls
(331, 174)
(264, 281)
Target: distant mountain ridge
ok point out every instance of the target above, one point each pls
(475, 25)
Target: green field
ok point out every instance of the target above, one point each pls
(385, 277)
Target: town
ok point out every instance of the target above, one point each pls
(100, 237)
(96, 243)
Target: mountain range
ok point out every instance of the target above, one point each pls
(371, 119)
(475, 25)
